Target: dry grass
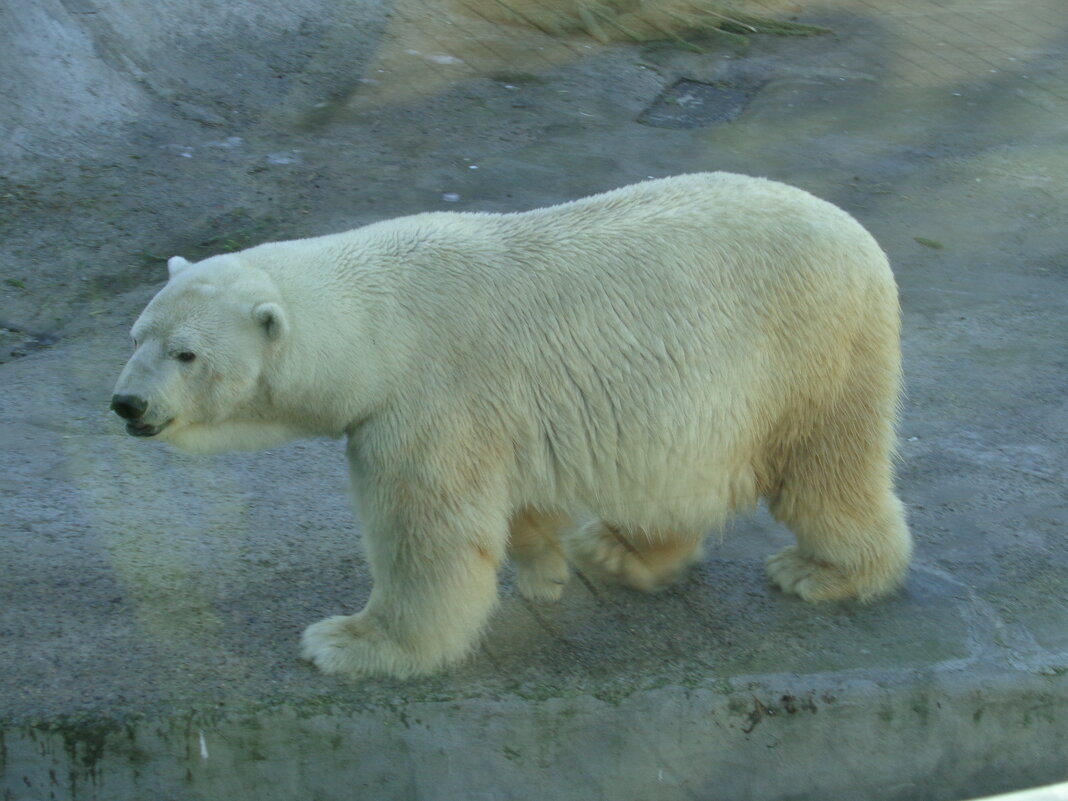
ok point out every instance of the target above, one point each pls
(643, 20)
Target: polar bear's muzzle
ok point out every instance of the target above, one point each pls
(144, 430)
(132, 409)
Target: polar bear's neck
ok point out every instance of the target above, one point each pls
(331, 370)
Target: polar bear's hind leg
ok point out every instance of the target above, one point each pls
(646, 561)
(836, 494)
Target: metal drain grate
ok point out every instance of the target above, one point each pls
(691, 104)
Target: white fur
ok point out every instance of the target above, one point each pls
(658, 357)
(175, 264)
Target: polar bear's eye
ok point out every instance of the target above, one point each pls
(185, 356)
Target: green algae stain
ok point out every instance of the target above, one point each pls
(87, 742)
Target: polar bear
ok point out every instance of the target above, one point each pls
(599, 382)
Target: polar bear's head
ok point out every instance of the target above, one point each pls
(202, 350)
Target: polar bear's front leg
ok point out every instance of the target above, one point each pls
(434, 560)
(354, 645)
(541, 567)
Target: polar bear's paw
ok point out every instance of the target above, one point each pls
(813, 580)
(348, 645)
(543, 579)
(646, 563)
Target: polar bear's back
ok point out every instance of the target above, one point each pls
(708, 249)
(716, 269)
(721, 213)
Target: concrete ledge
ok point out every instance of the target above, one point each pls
(901, 737)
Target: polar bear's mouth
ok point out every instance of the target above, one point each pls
(144, 429)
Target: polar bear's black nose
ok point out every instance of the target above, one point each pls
(129, 407)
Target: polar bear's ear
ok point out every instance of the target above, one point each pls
(272, 318)
(175, 264)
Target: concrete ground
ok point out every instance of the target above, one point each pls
(151, 602)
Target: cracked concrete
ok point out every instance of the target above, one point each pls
(151, 602)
